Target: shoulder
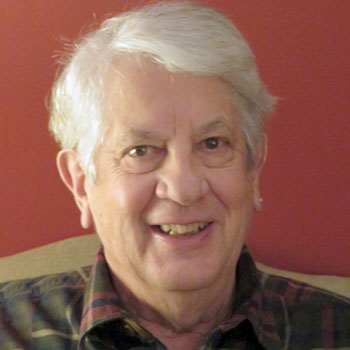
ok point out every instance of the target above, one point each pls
(314, 318)
(296, 293)
(36, 287)
(21, 302)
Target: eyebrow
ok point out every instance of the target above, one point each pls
(141, 134)
(219, 124)
(134, 135)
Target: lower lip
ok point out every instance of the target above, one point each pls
(190, 239)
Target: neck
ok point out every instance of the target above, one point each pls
(186, 322)
(180, 320)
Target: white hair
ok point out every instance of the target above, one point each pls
(182, 36)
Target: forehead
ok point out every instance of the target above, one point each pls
(143, 94)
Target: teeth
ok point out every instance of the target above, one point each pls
(165, 228)
(183, 229)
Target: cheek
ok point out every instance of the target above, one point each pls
(132, 193)
(233, 188)
(118, 209)
(124, 198)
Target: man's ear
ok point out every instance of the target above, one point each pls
(73, 176)
(260, 156)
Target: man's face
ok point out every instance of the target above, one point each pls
(173, 155)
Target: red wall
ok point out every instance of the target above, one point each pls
(303, 52)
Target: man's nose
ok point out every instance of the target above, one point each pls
(182, 180)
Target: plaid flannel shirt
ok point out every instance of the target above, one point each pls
(82, 310)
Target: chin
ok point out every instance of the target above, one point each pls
(187, 277)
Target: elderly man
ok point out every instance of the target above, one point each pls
(160, 114)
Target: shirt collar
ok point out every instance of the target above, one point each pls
(262, 310)
(103, 305)
(101, 300)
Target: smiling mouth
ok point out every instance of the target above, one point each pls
(175, 230)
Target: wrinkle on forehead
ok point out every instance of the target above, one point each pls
(132, 69)
(133, 79)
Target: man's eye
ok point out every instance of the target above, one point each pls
(212, 143)
(216, 151)
(139, 151)
(142, 159)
